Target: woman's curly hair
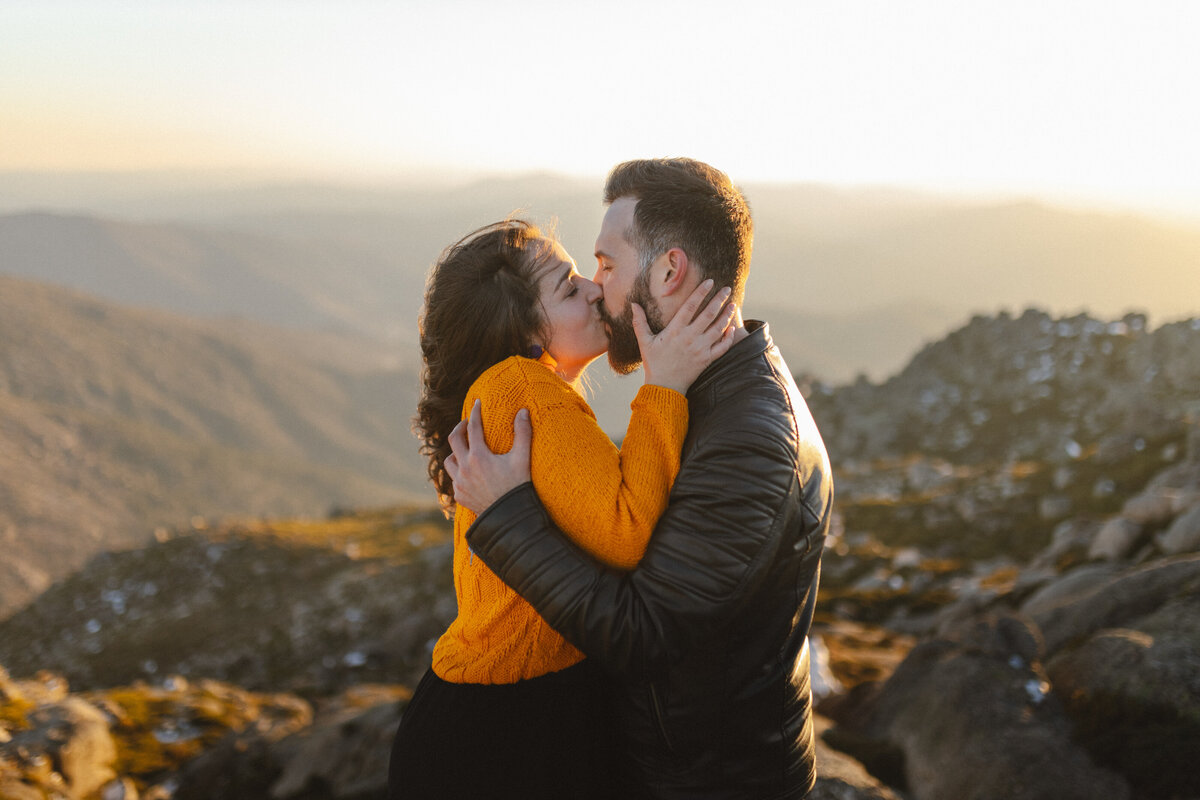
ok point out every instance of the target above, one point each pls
(481, 306)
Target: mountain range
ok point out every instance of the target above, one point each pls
(170, 350)
(356, 256)
(116, 420)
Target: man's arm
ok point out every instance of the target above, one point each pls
(717, 538)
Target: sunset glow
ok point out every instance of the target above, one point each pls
(1061, 99)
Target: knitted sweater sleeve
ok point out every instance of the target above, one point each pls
(605, 500)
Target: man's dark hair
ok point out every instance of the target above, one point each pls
(687, 204)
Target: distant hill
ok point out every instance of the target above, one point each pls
(344, 600)
(115, 420)
(886, 270)
(311, 283)
(1005, 389)
(994, 434)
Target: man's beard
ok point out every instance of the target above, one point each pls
(623, 353)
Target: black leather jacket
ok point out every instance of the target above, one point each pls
(707, 635)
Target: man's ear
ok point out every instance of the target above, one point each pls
(675, 269)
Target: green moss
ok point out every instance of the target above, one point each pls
(14, 713)
(157, 730)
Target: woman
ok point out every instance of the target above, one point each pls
(509, 707)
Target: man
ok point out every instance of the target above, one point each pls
(707, 635)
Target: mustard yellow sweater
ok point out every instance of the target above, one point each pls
(607, 500)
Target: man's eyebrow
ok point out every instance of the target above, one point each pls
(602, 254)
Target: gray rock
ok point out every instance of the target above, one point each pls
(347, 752)
(73, 735)
(1183, 536)
(121, 789)
(1153, 506)
(1067, 589)
(1134, 696)
(1054, 506)
(840, 777)
(972, 720)
(1069, 542)
(1070, 613)
(1115, 540)
(342, 755)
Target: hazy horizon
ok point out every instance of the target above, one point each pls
(1059, 100)
(831, 258)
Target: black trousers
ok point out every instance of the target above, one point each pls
(554, 736)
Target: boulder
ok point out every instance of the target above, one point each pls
(120, 789)
(1067, 588)
(840, 777)
(1183, 536)
(66, 745)
(1154, 506)
(1134, 695)
(1092, 598)
(1054, 506)
(972, 719)
(343, 755)
(347, 752)
(1115, 540)
(1068, 544)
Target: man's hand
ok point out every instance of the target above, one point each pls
(480, 476)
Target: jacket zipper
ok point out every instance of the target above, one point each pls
(659, 718)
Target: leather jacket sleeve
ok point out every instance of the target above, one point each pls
(735, 508)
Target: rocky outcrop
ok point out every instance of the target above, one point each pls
(972, 718)
(840, 777)
(1183, 536)
(342, 755)
(1076, 606)
(1064, 510)
(307, 607)
(1019, 388)
(1100, 667)
(127, 741)
(1128, 670)
(1008, 612)
(67, 746)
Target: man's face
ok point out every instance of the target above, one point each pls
(619, 274)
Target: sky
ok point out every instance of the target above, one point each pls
(1086, 102)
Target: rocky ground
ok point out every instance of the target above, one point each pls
(1010, 604)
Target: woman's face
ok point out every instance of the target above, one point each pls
(571, 304)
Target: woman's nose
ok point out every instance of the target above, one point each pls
(592, 291)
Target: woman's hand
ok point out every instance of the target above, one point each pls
(676, 355)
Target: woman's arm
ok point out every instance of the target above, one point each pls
(606, 500)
